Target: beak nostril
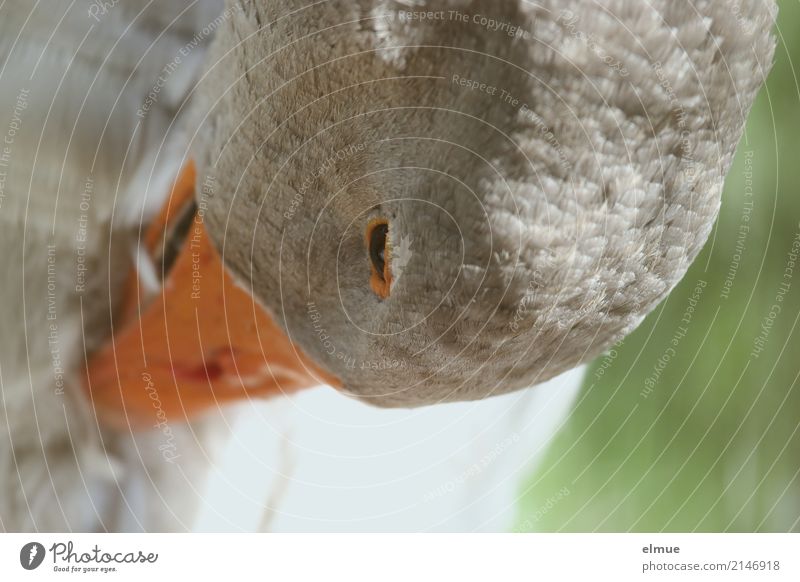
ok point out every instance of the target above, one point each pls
(377, 241)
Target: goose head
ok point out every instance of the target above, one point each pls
(455, 199)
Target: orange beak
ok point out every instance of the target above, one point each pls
(201, 343)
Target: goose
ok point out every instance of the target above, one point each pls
(427, 206)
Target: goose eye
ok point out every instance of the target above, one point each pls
(377, 245)
(377, 248)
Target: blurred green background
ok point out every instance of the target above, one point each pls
(708, 440)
